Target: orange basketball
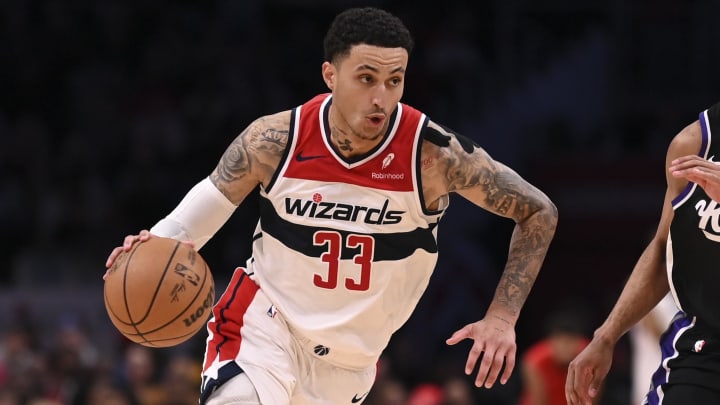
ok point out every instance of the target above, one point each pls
(160, 293)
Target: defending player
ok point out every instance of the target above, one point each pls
(682, 258)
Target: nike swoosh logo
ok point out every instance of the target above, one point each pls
(357, 399)
(301, 158)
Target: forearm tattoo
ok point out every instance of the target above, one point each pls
(507, 194)
(528, 245)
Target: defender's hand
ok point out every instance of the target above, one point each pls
(587, 372)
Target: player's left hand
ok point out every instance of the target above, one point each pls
(703, 172)
(494, 341)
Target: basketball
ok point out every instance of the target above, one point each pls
(160, 293)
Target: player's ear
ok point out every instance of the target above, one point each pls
(329, 74)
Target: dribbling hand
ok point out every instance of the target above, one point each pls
(127, 245)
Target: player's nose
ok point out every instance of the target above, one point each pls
(379, 97)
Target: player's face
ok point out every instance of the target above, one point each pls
(366, 87)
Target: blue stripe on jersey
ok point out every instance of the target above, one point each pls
(668, 351)
(389, 246)
(703, 153)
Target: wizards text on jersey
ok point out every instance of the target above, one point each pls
(343, 212)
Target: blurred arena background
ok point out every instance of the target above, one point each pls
(111, 110)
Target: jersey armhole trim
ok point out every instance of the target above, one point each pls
(418, 168)
(703, 153)
(290, 146)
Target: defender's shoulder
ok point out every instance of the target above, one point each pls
(686, 142)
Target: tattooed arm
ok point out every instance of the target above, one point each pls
(466, 169)
(250, 160)
(453, 163)
(253, 157)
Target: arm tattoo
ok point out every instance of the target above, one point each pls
(247, 154)
(528, 246)
(234, 163)
(273, 141)
(506, 196)
(506, 193)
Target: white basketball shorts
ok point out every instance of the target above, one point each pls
(247, 335)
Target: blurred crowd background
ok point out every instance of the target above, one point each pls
(111, 110)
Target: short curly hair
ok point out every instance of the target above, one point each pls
(365, 25)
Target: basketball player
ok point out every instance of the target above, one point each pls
(352, 185)
(682, 258)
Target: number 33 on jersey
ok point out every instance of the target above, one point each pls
(338, 236)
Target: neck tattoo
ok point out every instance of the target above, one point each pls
(342, 144)
(345, 145)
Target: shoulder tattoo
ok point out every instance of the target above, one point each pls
(260, 144)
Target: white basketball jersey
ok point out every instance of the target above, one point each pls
(344, 247)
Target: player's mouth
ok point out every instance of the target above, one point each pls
(376, 119)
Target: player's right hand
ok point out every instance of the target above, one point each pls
(587, 372)
(703, 172)
(127, 245)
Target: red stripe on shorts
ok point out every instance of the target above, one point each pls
(228, 318)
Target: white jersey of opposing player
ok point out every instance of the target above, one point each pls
(344, 247)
